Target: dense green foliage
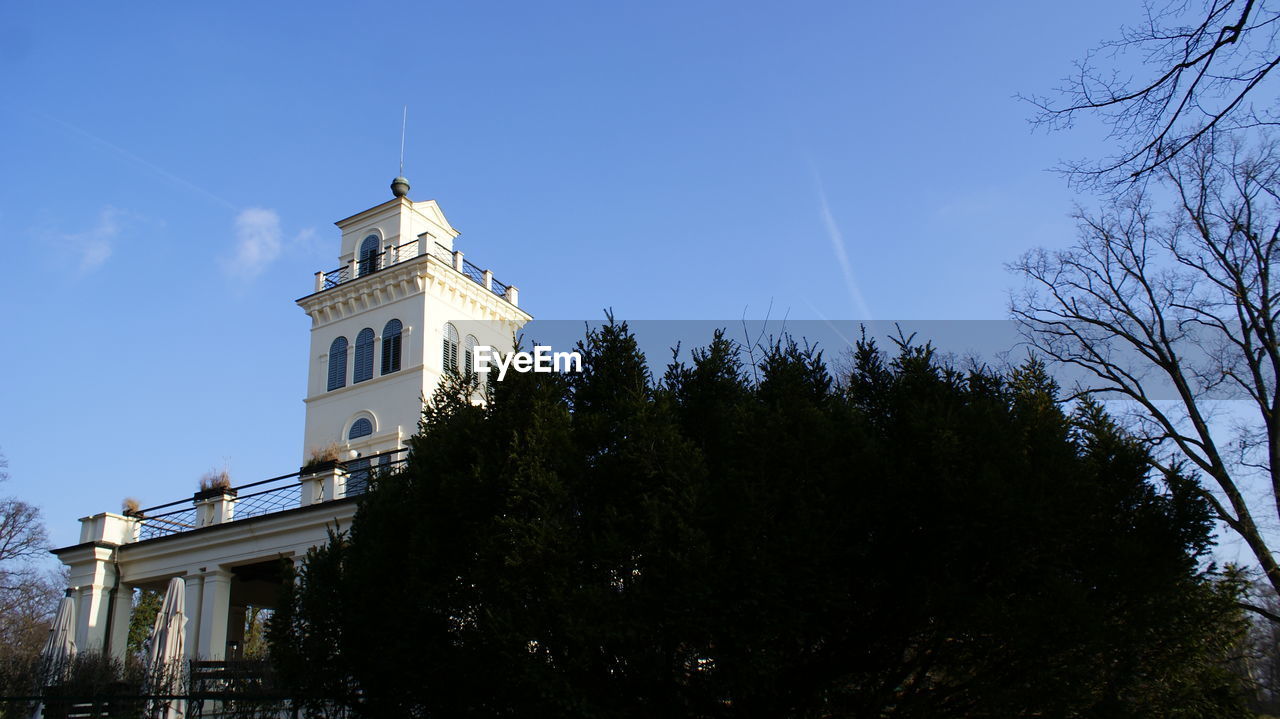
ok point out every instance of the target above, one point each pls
(146, 605)
(908, 541)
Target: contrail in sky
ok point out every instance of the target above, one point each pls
(150, 166)
(837, 245)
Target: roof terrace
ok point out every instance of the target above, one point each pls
(412, 251)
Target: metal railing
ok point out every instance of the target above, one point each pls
(240, 688)
(266, 496)
(377, 261)
(333, 278)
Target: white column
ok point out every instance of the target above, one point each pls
(213, 614)
(92, 576)
(193, 601)
(319, 281)
(84, 616)
(121, 613)
(488, 280)
(215, 508)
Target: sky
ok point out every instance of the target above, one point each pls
(170, 174)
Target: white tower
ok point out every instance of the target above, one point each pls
(402, 307)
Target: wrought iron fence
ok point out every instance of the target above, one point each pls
(244, 688)
(267, 496)
(268, 501)
(373, 262)
(333, 278)
(475, 273)
(370, 263)
(171, 522)
(403, 253)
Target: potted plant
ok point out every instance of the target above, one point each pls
(215, 483)
(321, 459)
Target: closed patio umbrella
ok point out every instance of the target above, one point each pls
(165, 649)
(59, 649)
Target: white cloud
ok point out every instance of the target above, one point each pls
(308, 243)
(257, 242)
(94, 246)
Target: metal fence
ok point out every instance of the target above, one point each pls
(376, 261)
(243, 689)
(267, 496)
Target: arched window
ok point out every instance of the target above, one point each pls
(469, 354)
(364, 356)
(450, 348)
(358, 469)
(369, 255)
(391, 347)
(360, 428)
(338, 363)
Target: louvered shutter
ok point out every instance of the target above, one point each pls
(364, 356)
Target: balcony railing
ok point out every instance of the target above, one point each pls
(333, 480)
(393, 255)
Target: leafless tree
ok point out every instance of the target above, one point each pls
(1175, 311)
(1202, 68)
(27, 593)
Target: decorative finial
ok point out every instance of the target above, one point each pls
(400, 187)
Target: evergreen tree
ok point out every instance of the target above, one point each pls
(909, 541)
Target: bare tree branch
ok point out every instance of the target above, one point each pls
(1174, 311)
(1206, 71)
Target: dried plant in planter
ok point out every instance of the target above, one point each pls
(130, 507)
(322, 457)
(215, 479)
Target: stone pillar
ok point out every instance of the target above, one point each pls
(513, 295)
(321, 485)
(388, 255)
(424, 243)
(457, 260)
(335, 484)
(319, 281)
(215, 506)
(488, 280)
(192, 606)
(91, 578)
(108, 528)
(312, 490)
(214, 609)
(352, 267)
(121, 613)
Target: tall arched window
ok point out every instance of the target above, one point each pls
(360, 428)
(358, 469)
(364, 356)
(450, 348)
(469, 354)
(338, 363)
(369, 255)
(391, 347)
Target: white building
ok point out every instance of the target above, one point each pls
(403, 306)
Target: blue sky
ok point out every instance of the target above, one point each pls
(170, 174)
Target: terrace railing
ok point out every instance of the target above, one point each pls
(221, 505)
(393, 255)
